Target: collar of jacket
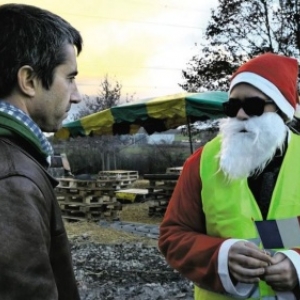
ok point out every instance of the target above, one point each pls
(11, 127)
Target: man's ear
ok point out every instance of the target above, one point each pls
(27, 80)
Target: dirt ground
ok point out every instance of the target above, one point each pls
(125, 271)
(113, 264)
(136, 212)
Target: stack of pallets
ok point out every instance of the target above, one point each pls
(160, 190)
(93, 200)
(86, 200)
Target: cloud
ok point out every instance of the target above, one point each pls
(144, 44)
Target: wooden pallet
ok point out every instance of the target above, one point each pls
(103, 185)
(76, 183)
(70, 207)
(156, 211)
(158, 207)
(158, 203)
(62, 191)
(118, 174)
(114, 183)
(92, 212)
(161, 189)
(108, 216)
(89, 199)
(162, 184)
(159, 196)
(91, 215)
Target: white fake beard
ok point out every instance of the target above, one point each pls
(247, 146)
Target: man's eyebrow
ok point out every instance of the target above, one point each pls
(74, 73)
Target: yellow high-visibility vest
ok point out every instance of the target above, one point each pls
(230, 208)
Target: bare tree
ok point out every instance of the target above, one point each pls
(109, 95)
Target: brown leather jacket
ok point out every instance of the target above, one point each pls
(35, 258)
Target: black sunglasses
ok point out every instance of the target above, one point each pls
(252, 106)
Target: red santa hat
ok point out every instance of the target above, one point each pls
(274, 75)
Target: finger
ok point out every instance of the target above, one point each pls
(281, 276)
(251, 262)
(255, 247)
(246, 275)
(248, 260)
(283, 268)
(277, 258)
(261, 254)
(273, 270)
(251, 245)
(274, 278)
(245, 267)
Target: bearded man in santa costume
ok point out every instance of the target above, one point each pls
(250, 172)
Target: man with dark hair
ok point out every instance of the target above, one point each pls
(232, 224)
(38, 66)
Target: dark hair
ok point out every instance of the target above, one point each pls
(32, 36)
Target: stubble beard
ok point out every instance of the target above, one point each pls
(247, 146)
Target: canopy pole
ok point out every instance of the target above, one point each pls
(190, 134)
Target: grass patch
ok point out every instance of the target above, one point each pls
(92, 232)
(138, 212)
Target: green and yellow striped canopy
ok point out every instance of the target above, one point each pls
(154, 115)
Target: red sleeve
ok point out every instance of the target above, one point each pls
(183, 240)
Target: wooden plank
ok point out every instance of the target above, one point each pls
(73, 208)
(90, 215)
(118, 174)
(75, 199)
(116, 184)
(174, 170)
(158, 202)
(156, 211)
(83, 191)
(131, 195)
(135, 191)
(107, 212)
(76, 183)
(98, 218)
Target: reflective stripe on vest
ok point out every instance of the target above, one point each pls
(230, 207)
(200, 294)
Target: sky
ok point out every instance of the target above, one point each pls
(142, 44)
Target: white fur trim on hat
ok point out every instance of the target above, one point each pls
(267, 87)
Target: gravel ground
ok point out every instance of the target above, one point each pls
(126, 271)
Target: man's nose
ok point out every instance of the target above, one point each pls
(241, 115)
(76, 96)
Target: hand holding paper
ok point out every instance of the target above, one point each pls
(281, 275)
(246, 262)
